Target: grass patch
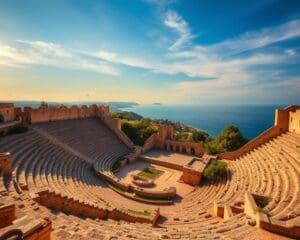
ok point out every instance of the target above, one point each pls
(151, 173)
(116, 188)
(262, 202)
(153, 200)
(20, 128)
(139, 213)
(116, 166)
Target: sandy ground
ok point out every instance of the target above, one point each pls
(167, 156)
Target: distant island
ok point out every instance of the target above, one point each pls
(158, 104)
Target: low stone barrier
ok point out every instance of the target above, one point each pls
(142, 181)
(69, 205)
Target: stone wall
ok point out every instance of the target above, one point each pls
(7, 112)
(7, 215)
(47, 114)
(281, 125)
(164, 139)
(115, 125)
(190, 176)
(294, 121)
(162, 163)
(183, 147)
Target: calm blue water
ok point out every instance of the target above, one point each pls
(251, 120)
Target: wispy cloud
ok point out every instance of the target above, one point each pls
(249, 41)
(180, 26)
(49, 54)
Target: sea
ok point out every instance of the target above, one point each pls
(250, 119)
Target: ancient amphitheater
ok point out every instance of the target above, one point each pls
(58, 180)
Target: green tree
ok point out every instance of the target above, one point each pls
(230, 139)
(214, 170)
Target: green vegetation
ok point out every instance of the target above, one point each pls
(20, 128)
(151, 173)
(153, 200)
(262, 202)
(116, 188)
(140, 130)
(116, 166)
(126, 115)
(230, 139)
(264, 211)
(139, 213)
(214, 170)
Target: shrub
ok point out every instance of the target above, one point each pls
(212, 148)
(116, 166)
(139, 131)
(262, 202)
(214, 170)
(20, 128)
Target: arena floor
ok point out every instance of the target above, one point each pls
(169, 177)
(168, 157)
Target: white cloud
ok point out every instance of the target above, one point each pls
(50, 54)
(115, 58)
(180, 26)
(258, 39)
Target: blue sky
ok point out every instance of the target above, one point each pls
(169, 51)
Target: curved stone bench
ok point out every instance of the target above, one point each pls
(142, 181)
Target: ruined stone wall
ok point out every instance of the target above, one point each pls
(294, 121)
(47, 114)
(183, 147)
(115, 125)
(164, 139)
(7, 112)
